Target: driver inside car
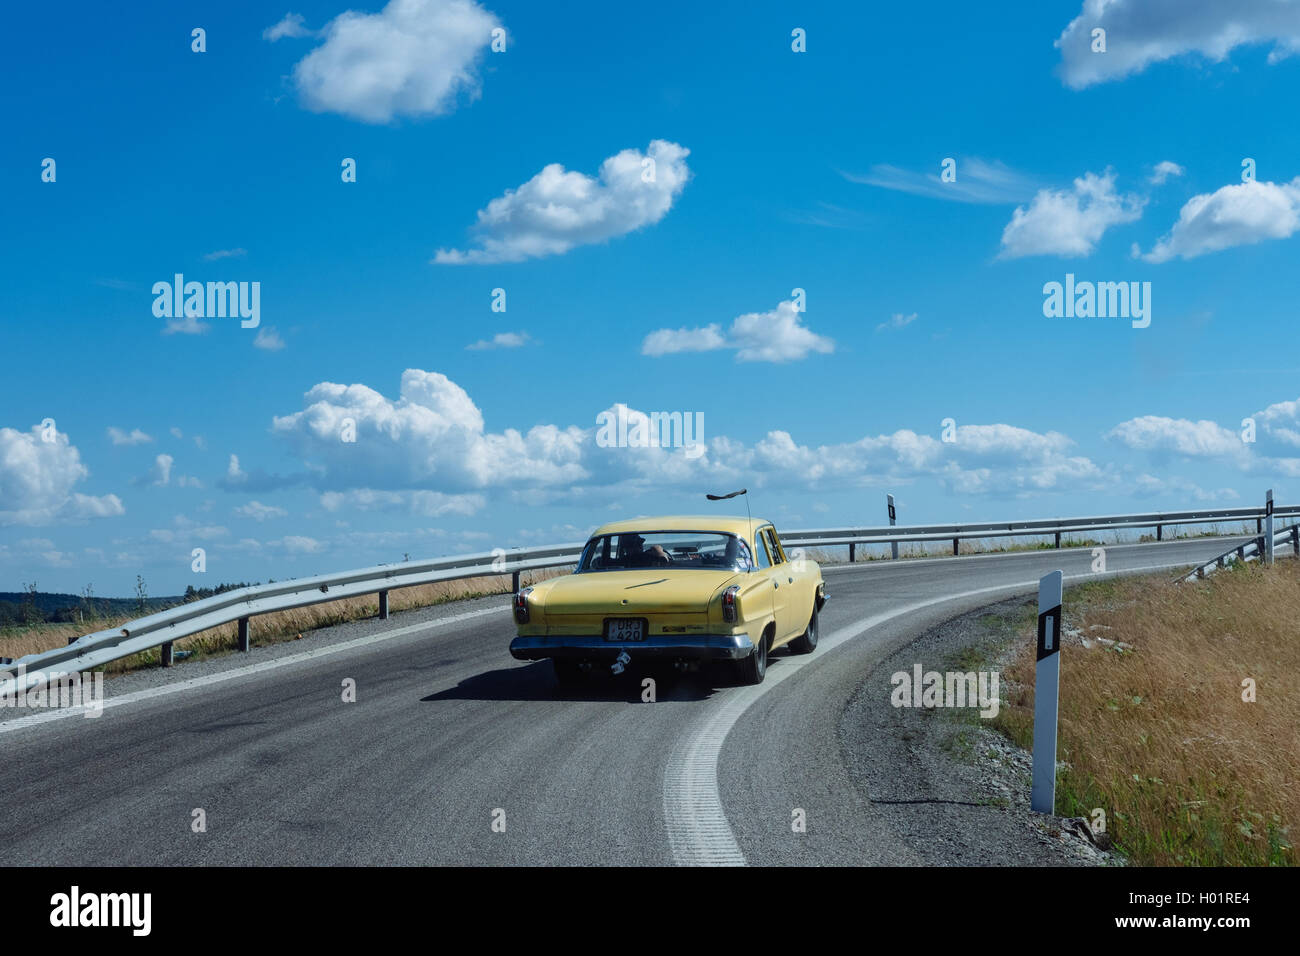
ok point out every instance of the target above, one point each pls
(635, 554)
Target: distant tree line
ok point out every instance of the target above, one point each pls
(32, 606)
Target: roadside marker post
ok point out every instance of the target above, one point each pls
(893, 545)
(1268, 527)
(1047, 685)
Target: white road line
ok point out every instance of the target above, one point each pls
(699, 833)
(151, 693)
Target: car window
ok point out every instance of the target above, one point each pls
(778, 556)
(761, 560)
(683, 550)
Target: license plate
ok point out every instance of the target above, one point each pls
(624, 629)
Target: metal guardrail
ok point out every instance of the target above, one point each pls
(1253, 550)
(165, 627)
(888, 534)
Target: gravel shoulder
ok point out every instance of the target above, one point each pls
(952, 788)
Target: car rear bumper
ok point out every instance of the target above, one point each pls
(694, 646)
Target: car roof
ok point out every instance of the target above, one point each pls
(724, 523)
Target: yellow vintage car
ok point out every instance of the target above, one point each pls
(679, 589)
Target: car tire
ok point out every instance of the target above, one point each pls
(567, 673)
(752, 669)
(806, 642)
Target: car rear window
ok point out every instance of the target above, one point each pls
(707, 550)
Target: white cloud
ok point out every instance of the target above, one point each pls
(176, 432)
(775, 336)
(1142, 32)
(427, 453)
(670, 341)
(978, 181)
(188, 325)
(502, 340)
(1200, 439)
(433, 434)
(258, 511)
(1164, 170)
(37, 478)
(299, 544)
(135, 437)
(1068, 222)
(424, 504)
(1150, 486)
(1235, 215)
(161, 472)
(1280, 421)
(269, 339)
(292, 26)
(413, 58)
(558, 210)
(897, 321)
(225, 254)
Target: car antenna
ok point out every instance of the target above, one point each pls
(742, 491)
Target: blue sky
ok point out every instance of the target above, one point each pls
(522, 170)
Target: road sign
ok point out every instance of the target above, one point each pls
(1047, 681)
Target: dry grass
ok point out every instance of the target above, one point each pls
(267, 628)
(1154, 729)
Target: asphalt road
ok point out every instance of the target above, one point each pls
(454, 753)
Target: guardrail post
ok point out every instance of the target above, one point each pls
(853, 552)
(1268, 522)
(165, 654)
(893, 545)
(1259, 525)
(1058, 539)
(1160, 532)
(514, 582)
(243, 634)
(954, 547)
(383, 605)
(1295, 541)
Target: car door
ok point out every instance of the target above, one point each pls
(780, 573)
(796, 587)
(768, 582)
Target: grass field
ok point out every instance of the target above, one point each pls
(1155, 727)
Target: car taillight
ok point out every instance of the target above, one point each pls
(521, 605)
(730, 612)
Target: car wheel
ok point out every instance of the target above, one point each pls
(806, 642)
(752, 669)
(567, 673)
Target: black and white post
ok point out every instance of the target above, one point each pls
(1047, 685)
(893, 545)
(1268, 528)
